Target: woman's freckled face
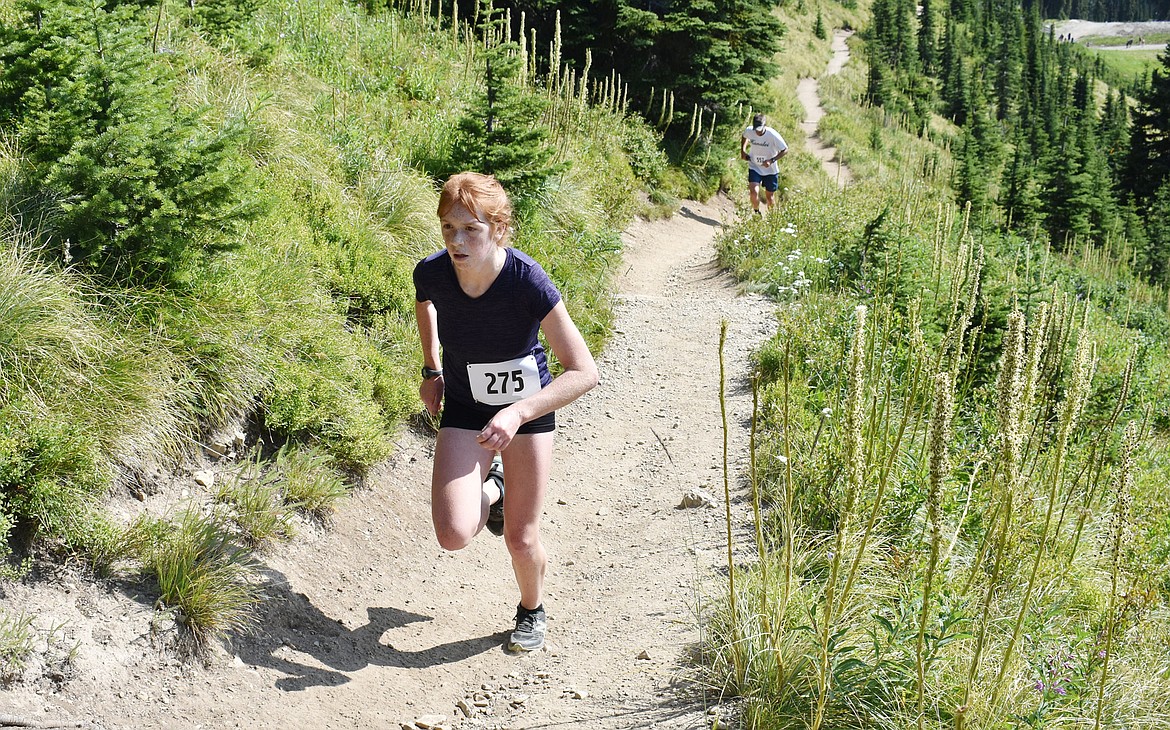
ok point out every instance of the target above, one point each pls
(470, 241)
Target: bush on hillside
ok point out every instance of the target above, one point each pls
(139, 188)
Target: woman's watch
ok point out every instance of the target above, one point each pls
(428, 373)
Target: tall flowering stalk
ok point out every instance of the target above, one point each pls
(727, 498)
(909, 411)
(942, 411)
(1117, 529)
(1071, 407)
(854, 480)
(1010, 392)
(1099, 448)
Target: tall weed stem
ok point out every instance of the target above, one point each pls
(940, 428)
(1124, 483)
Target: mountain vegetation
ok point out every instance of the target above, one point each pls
(210, 214)
(211, 211)
(959, 482)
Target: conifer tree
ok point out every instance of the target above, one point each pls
(954, 81)
(927, 43)
(1155, 255)
(1148, 164)
(1019, 200)
(971, 179)
(144, 187)
(501, 133)
(1113, 131)
(1009, 68)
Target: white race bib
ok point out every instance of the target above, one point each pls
(501, 383)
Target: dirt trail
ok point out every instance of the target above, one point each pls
(370, 625)
(808, 92)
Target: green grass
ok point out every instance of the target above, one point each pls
(310, 484)
(16, 644)
(1131, 65)
(1109, 41)
(204, 579)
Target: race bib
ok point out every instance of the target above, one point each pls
(501, 383)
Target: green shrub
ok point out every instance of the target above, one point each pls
(49, 471)
(145, 188)
(201, 574)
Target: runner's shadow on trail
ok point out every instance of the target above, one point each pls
(311, 649)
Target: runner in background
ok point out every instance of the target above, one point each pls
(762, 147)
(480, 305)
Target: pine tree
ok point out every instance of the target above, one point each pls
(1009, 68)
(501, 133)
(1148, 164)
(145, 188)
(971, 180)
(927, 44)
(1155, 255)
(1020, 201)
(1113, 132)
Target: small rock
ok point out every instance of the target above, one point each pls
(696, 498)
(519, 700)
(644, 655)
(431, 722)
(465, 708)
(204, 478)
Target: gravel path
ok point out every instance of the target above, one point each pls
(808, 92)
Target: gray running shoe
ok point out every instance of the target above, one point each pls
(529, 633)
(495, 520)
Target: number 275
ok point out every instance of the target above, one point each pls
(498, 382)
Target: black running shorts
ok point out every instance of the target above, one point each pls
(473, 418)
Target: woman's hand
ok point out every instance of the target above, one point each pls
(431, 392)
(500, 431)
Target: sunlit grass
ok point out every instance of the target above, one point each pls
(202, 575)
(979, 570)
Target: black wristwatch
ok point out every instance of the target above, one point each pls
(428, 373)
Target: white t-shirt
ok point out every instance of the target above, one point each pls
(764, 147)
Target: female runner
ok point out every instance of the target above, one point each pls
(479, 306)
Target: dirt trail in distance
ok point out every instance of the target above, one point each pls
(808, 92)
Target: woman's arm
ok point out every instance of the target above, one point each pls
(578, 378)
(431, 389)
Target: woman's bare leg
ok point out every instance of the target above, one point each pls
(527, 462)
(459, 496)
